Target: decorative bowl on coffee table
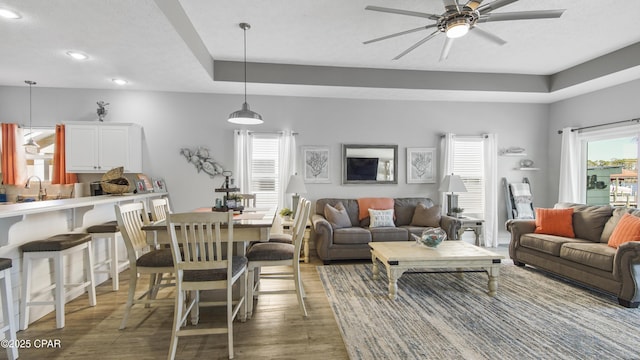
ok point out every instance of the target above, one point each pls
(431, 237)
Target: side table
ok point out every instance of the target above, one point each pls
(469, 223)
(287, 225)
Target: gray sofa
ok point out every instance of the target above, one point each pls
(587, 258)
(352, 243)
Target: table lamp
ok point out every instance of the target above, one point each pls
(295, 187)
(452, 184)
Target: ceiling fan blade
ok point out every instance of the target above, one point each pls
(417, 44)
(399, 33)
(494, 5)
(403, 12)
(451, 4)
(489, 36)
(472, 4)
(522, 15)
(445, 49)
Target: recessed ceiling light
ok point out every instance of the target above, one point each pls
(77, 55)
(120, 81)
(9, 14)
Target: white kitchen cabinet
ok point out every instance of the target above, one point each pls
(97, 148)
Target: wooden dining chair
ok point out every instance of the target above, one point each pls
(143, 259)
(248, 200)
(266, 254)
(287, 238)
(201, 257)
(159, 209)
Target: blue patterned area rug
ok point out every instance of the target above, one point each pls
(440, 316)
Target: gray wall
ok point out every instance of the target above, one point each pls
(609, 105)
(175, 120)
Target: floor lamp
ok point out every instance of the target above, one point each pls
(452, 184)
(295, 187)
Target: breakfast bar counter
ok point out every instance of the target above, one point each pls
(21, 223)
(11, 213)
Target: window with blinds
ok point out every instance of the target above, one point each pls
(264, 169)
(468, 163)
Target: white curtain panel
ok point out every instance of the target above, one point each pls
(242, 163)
(570, 172)
(287, 166)
(446, 165)
(490, 144)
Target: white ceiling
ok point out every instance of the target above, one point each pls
(148, 42)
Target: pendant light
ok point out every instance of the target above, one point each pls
(30, 146)
(245, 116)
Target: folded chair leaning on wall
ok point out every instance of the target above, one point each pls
(519, 199)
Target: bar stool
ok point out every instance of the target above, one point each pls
(9, 328)
(55, 247)
(110, 232)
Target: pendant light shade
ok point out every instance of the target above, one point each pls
(31, 147)
(245, 116)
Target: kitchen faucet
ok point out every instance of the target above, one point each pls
(41, 192)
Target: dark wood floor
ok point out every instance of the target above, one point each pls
(276, 331)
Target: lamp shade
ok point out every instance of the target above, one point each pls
(245, 116)
(296, 185)
(452, 183)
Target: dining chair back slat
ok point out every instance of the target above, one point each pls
(248, 200)
(159, 209)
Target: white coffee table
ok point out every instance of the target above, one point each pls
(400, 256)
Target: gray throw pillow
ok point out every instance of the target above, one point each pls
(337, 216)
(424, 216)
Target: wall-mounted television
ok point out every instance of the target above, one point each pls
(359, 168)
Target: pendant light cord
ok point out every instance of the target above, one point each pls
(245, 63)
(31, 83)
(30, 127)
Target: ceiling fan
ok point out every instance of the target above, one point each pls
(458, 20)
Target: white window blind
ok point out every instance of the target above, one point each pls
(469, 165)
(264, 169)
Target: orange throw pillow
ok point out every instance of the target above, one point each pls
(364, 204)
(628, 229)
(557, 222)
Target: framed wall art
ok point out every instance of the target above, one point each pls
(316, 164)
(421, 165)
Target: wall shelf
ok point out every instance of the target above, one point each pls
(513, 154)
(527, 169)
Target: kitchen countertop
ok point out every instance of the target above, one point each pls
(34, 207)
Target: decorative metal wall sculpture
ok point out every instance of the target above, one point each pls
(202, 161)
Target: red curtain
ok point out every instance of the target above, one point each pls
(13, 161)
(60, 175)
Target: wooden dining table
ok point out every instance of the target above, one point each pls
(247, 226)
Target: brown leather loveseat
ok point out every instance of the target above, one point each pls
(587, 258)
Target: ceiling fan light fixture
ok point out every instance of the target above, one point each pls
(245, 116)
(457, 28)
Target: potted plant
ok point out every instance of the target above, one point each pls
(457, 212)
(286, 213)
